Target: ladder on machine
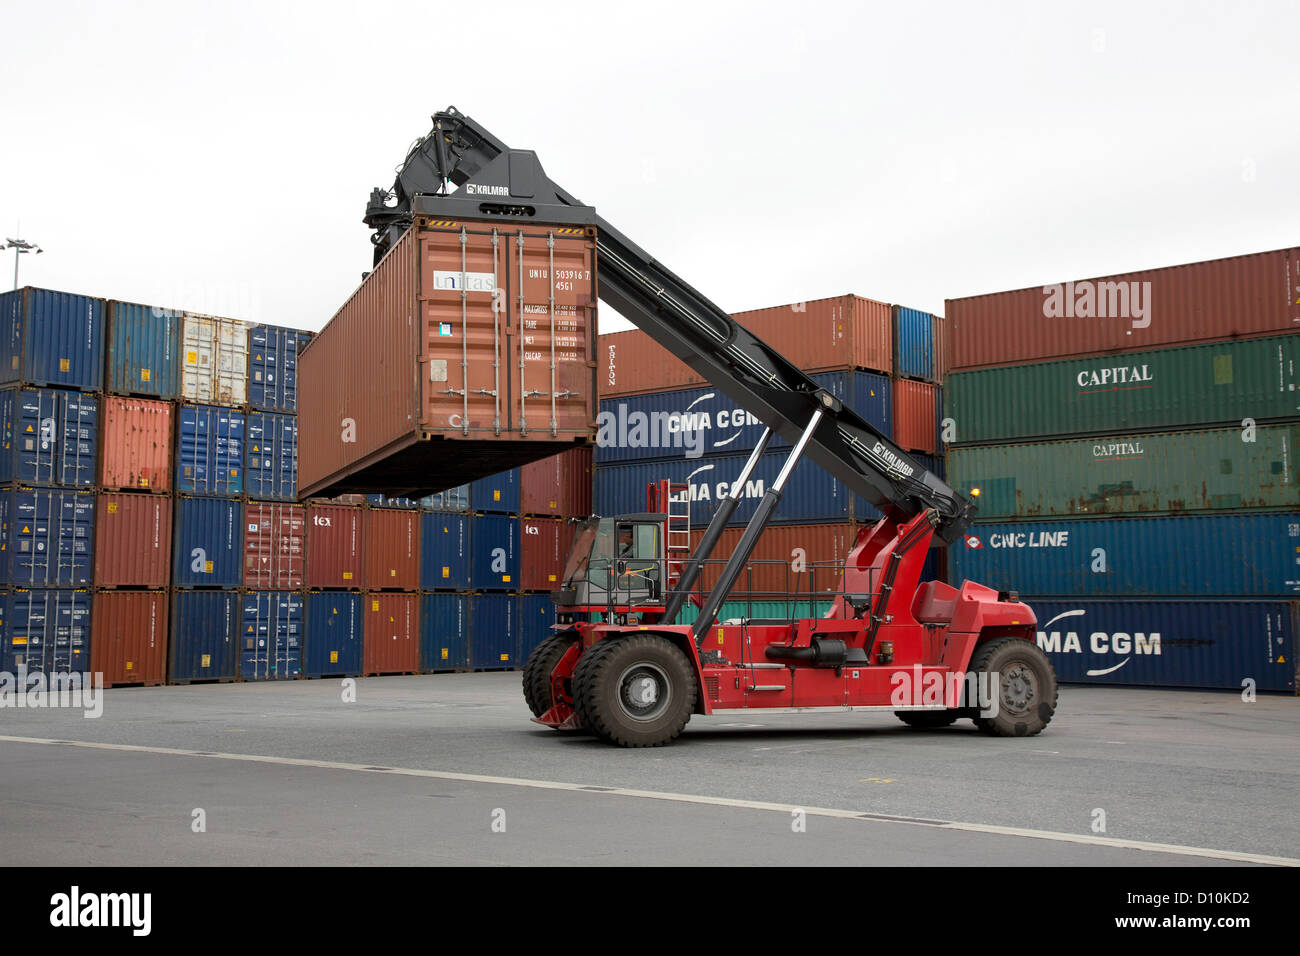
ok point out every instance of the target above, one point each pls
(673, 499)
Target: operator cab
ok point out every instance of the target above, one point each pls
(616, 565)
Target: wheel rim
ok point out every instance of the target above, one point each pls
(644, 691)
(1019, 687)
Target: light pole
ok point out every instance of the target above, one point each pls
(19, 246)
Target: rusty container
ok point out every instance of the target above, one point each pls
(391, 633)
(133, 541)
(798, 560)
(136, 444)
(391, 550)
(559, 486)
(274, 545)
(466, 352)
(128, 637)
(1249, 295)
(334, 540)
(544, 546)
(915, 408)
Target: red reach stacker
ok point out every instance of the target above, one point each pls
(618, 664)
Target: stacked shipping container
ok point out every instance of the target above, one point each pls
(1133, 438)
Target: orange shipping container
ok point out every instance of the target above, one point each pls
(133, 541)
(128, 637)
(274, 548)
(136, 444)
(793, 560)
(391, 549)
(468, 351)
(334, 545)
(915, 406)
(391, 633)
(559, 485)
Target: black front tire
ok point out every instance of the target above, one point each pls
(1026, 687)
(537, 671)
(635, 691)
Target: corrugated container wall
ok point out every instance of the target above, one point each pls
(444, 551)
(50, 436)
(47, 631)
(51, 338)
(914, 344)
(1238, 297)
(391, 548)
(452, 499)
(795, 560)
(133, 541)
(493, 631)
(536, 615)
(494, 547)
(559, 485)
(1238, 556)
(444, 632)
(392, 633)
(844, 332)
(273, 367)
(47, 537)
(128, 637)
(137, 444)
(1220, 383)
(385, 402)
(209, 542)
(332, 644)
(270, 635)
(1171, 643)
(544, 547)
(143, 351)
(499, 493)
(214, 360)
(210, 450)
(334, 546)
(271, 458)
(203, 636)
(1178, 472)
(274, 545)
(915, 426)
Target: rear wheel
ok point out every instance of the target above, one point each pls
(1024, 688)
(537, 672)
(928, 719)
(635, 691)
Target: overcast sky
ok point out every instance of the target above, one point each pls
(219, 157)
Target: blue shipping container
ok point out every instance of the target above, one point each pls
(494, 551)
(913, 344)
(444, 632)
(444, 551)
(497, 493)
(47, 537)
(50, 436)
(210, 450)
(270, 635)
(1171, 643)
(1237, 555)
(47, 631)
(51, 338)
(536, 615)
(143, 345)
(699, 422)
(493, 631)
(332, 642)
(208, 543)
(453, 499)
(271, 462)
(203, 639)
(273, 367)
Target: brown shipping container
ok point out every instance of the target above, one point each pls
(274, 546)
(391, 634)
(135, 444)
(133, 541)
(788, 559)
(1257, 294)
(334, 544)
(844, 332)
(452, 361)
(391, 549)
(914, 411)
(544, 546)
(128, 637)
(559, 485)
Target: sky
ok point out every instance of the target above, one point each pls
(218, 157)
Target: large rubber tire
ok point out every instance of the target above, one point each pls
(1027, 691)
(634, 691)
(537, 671)
(928, 719)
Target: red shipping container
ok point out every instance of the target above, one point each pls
(133, 541)
(844, 332)
(915, 426)
(274, 545)
(544, 546)
(1256, 294)
(559, 485)
(391, 549)
(128, 637)
(788, 560)
(135, 444)
(391, 634)
(334, 540)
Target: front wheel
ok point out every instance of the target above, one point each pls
(1024, 691)
(635, 691)
(538, 668)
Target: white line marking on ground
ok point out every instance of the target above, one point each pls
(782, 808)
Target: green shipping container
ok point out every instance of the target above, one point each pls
(1221, 469)
(1165, 388)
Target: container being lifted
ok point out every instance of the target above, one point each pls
(466, 352)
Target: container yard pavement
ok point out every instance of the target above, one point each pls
(418, 769)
